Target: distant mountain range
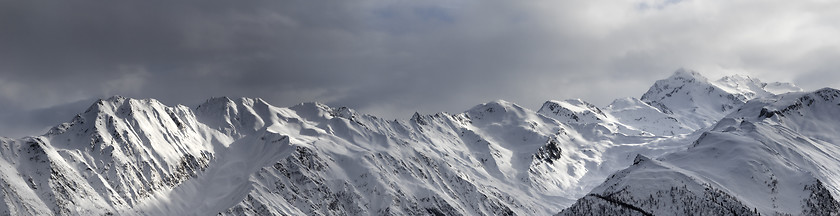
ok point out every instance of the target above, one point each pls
(688, 146)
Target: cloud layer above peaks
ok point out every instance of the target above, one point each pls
(392, 58)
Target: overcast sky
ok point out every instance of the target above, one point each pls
(391, 58)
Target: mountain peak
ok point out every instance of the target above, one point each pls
(313, 110)
(664, 88)
(572, 111)
(751, 87)
(828, 94)
(251, 101)
(216, 104)
(130, 156)
(819, 105)
(418, 118)
(217, 100)
(696, 102)
(687, 74)
(578, 102)
(740, 77)
(119, 104)
(115, 98)
(493, 106)
(227, 101)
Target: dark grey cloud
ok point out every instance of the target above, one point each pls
(391, 58)
(19, 122)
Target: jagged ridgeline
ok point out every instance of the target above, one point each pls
(730, 146)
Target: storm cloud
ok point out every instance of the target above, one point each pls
(392, 58)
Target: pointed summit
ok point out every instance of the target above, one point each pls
(662, 90)
(103, 114)
(690, 98)
(492, 107)
(418, 118)
(687, 74)
(215, 101)
(667, 87)
(697, 102)
(116, 98)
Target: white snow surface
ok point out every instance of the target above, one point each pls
(696, 102)
(774, 155)
(243, 156)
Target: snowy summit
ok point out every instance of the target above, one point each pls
(689, 145)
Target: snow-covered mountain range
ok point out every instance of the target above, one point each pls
(687, 146)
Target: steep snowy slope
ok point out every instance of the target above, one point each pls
(573, 111)
(339, 162)
(577, 111)
(336, 161)
(244, 156)
(697, 102)
(681, 104)
(638, 114)
(776, 154)
(111, 156)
